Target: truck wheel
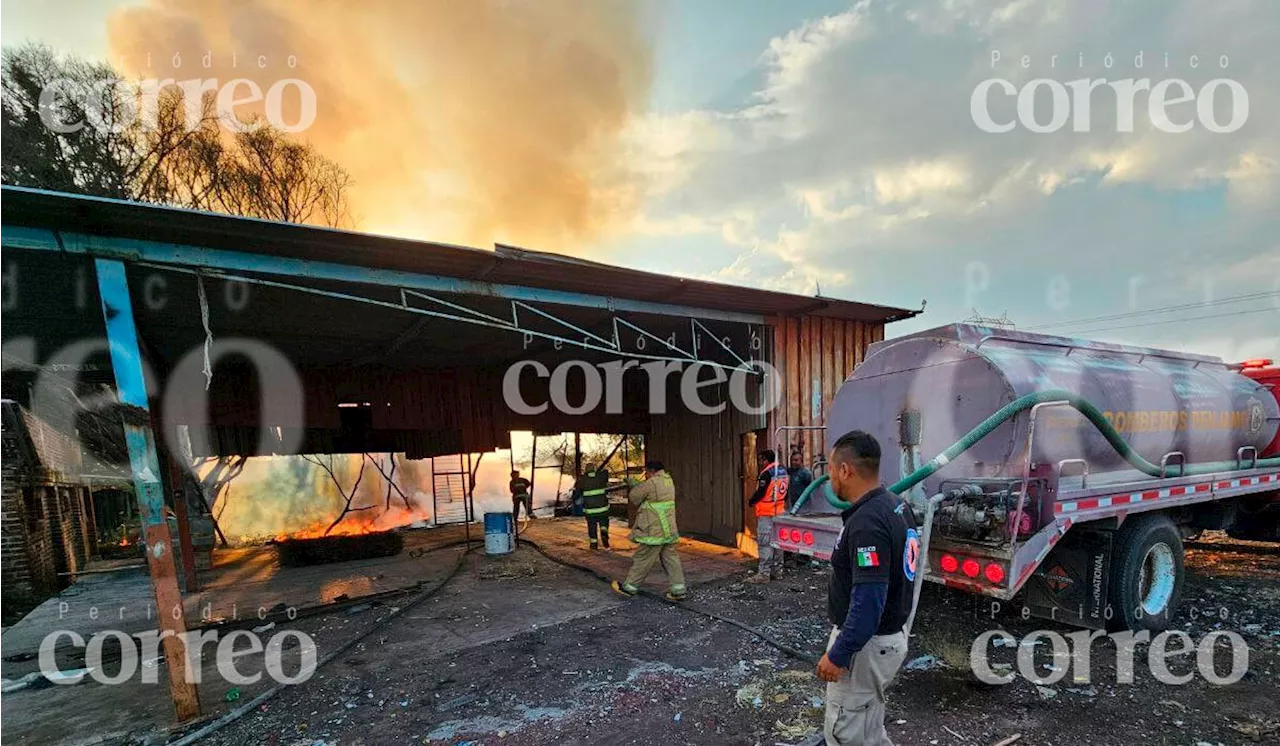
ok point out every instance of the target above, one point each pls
(1146, 579)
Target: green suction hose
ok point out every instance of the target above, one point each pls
(1008, 411)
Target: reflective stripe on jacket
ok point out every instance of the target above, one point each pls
(774, 501)
(595, 494)
(655, 501)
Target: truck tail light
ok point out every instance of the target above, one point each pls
(949, 563)
(782, 534)
(795, 536)
(808, 538)
(994, 573)
(971, 568)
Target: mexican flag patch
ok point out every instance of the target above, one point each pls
(867, 557)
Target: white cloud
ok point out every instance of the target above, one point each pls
(856, 164)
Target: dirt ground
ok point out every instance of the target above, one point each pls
(523, 651)
(643, 672)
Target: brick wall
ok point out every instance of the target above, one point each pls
(15, 576)
(65, 521)
(27, 552)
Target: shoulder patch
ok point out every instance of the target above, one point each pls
(911, 554)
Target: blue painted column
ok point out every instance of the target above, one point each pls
(126, 363)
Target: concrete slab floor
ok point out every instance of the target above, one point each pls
(247, 582)
(243, 582)
(492, 600)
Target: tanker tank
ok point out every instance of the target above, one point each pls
(929, 389)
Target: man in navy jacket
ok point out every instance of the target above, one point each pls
(869, 595)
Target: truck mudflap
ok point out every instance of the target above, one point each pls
(1072, 584)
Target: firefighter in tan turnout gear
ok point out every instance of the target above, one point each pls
(654, 529)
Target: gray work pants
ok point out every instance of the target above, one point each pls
(770, 561)
(855, 703)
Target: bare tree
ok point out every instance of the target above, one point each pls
(347, 496)
(389, 476)
(217, 484)
(269, 176)
(76, 126)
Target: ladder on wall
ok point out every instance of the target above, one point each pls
(451, 489)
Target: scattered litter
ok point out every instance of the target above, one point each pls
(899, 722)
(1010, 740)
(457, 702)
(794, 675)
(1255, 730)
(1004, 642)
(232, 694)
(797, 729)
(751, 695)
(359, 608)
(264, 628)
(925, 663)
(816, 702)
(678, 716)
(1173, 703)
(1046, 692)
(74, 676)
(1090, 692)
(780, 698)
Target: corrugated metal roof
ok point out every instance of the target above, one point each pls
(506, 265)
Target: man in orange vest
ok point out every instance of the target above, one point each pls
(770, 499)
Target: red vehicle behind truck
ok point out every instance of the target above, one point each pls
(1063, 471)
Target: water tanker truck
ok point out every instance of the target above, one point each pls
(1063, 471)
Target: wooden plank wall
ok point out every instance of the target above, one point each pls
(814, 356)
(703, 455)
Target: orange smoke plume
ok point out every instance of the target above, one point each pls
(468, 121)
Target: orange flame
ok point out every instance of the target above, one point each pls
(360, 522)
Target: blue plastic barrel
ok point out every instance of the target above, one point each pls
(499, 533)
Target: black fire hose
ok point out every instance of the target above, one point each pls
(782, 646)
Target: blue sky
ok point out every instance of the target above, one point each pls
(792, 145)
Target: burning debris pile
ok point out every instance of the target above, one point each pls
(325, 549)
